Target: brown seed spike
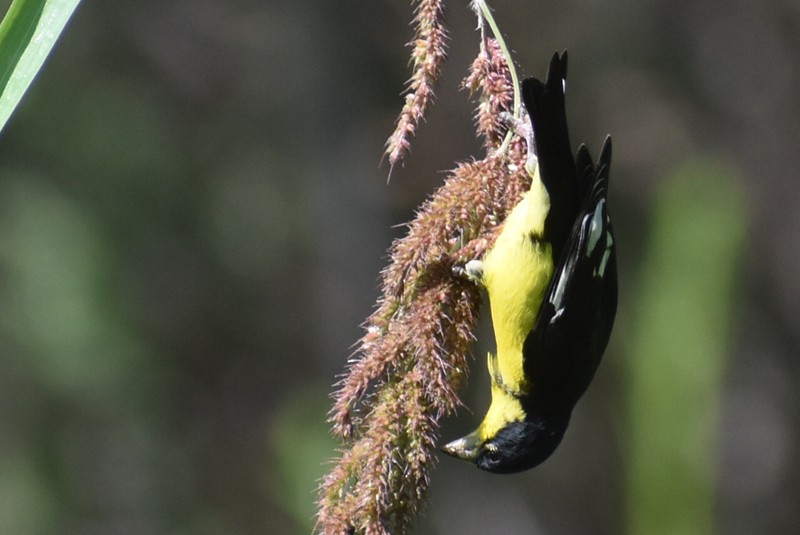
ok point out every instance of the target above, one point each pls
(412, 360)
(428, 53)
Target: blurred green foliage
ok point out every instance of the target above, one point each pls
(303, 449)
(57, 307)
(681, 334)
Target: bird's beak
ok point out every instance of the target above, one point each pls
(466, 448)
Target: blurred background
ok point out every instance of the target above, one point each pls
(193, 218)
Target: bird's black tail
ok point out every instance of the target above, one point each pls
(546, 107)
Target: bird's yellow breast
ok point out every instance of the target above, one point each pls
(516, 274)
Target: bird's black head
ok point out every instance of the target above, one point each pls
(521, 445)
(516, 447)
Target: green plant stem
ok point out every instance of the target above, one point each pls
(484, 13)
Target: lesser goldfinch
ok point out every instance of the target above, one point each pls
(552, 283)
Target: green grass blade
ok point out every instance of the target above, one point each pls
(28, 32)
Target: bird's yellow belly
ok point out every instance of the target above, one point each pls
(517, 273)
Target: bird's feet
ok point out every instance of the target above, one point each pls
(472, 270)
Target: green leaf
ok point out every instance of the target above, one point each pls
(27, 34)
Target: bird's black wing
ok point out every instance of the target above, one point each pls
(545, 105)
(562, 352)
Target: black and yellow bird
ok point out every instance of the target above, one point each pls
(551, 278)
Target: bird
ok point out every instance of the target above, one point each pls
(551, 279)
